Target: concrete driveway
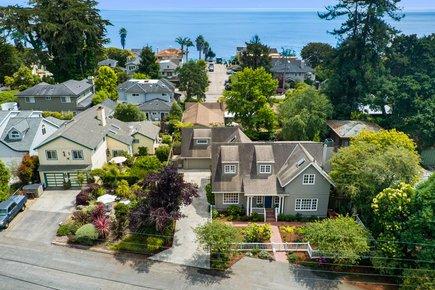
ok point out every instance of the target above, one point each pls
(39, 222)
(185, 249)
(217, 83)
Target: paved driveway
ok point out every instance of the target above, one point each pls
(185, 249)
(217, 83)
(40, 221)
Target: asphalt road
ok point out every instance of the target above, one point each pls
(217, 83)
(31, 265)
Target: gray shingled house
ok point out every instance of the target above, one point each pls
(291, 69)
(196, 144)
(272, 177)
(71, 96)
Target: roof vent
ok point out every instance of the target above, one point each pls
(300, 162)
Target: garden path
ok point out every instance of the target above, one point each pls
(185, 249)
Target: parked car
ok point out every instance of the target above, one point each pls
(10, 208)
(219, 60)
(211, 67)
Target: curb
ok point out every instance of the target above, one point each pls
(81, 247)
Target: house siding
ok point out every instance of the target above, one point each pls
(10, 158)
(319, 190)
(219, 201)
(197, 163)
(143, 142)
(99, 157)
(113, 144)
(142, 98)
(63, 148)
(39, 138)
(54, 104)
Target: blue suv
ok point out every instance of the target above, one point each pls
(10, 208)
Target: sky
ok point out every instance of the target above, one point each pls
(230, 4)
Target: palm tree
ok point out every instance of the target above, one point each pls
(181, 41)
(199, 41)
(123, 35)
(206, 49)
(188, 44)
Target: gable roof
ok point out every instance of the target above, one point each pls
(156, 105)
(204, 114)
(167, 64)
(146, 86)
(286, 165)
(216, 135)
(351, 128)
(289, 65)
(68, 88)
(108, 62)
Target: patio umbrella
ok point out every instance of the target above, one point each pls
(118, 160)
(106, 198)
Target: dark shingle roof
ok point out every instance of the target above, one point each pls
(289, 65)
(146, 86)
(156, 105)
(68, 88)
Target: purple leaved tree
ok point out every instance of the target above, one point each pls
(166, 192)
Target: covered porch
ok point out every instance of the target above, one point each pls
(263, 203)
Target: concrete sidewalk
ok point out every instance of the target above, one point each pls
(185, 249)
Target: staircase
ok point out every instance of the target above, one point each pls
(270, 215)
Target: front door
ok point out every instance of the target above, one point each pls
(268, 202)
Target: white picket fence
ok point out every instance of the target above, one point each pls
(278, 247)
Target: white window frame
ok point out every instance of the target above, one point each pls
(201, 142)
(230, 168)
(29, 100)
(65, 100)
(309, 179)
(116, 153)
(306, 204)
(78, 153)
(51, 153)
(230, 198)
(275, 201)
(48, 98)
(262, 168)
(259, 200)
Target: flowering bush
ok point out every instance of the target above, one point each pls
(82, 217)
(98, 211)
(255, 233)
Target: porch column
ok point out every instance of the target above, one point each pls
(279, 204)
(282, 204)
(250, 207)
(247, 205)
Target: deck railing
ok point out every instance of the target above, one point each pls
(276, 214)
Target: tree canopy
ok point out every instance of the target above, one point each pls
(255, 55)
(9, 58)
(67, 35)
(106, 80)
(250, 99)
(148, 63)
(193, 79)
(303, 114)
(121, 55)
(317, 53)
(22, 79)
(374, 161)
(5, 177)
(129, 113)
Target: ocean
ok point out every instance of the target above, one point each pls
(225, 30)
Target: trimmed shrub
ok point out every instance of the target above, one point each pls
(234, 211)
(143, 151)
(255, 233)
(86, 235)
(209, 194)
(68, 228)
(120, 223)
(162, 152)
(154, 244)
(82, 198)
(214, 213)
(256, 217)
(166, 139)
(263, 255)
(292, 257)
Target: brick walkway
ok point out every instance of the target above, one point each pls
(276, 238)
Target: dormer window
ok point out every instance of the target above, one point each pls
(14, 135)
(201, 141)
(44, 131)
(265, 168)
(230, 169)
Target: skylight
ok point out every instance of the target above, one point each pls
(300, 162)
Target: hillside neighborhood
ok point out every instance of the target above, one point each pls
(144, 167)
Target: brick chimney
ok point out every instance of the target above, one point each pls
(101, 115)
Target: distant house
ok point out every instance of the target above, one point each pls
(343, 130)
(291, 69)
(196, 144)
(173, 54)
(168, 70)
(156, 109)
(204, 114)
(270, 178)
(132, 65)
(273, 52)
(71, 96)
(154, 97)
(89, 141)
(21, 132)
(108, 62)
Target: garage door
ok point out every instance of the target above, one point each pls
(57, 179)
(197, 164)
